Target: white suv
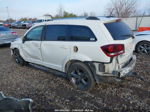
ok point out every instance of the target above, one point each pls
(86, 49)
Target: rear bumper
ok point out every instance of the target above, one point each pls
(7, 41)
(100, 70)
(126, 71)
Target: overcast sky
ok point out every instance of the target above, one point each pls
(37, 8)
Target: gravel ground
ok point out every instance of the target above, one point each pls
(51, 92)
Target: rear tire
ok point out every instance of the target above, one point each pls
(143, 47)
(18, 59)
(81, 76)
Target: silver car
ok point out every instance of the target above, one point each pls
(7, 36)
(17, 24)
(27, 24)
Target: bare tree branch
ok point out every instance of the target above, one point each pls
(121, 8)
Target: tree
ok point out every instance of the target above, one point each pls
(92, 14)
(121, 8)
(10, 20)
(63, 14)
(85, 14)
(27, 19)
(60, 11)
(67, 14)
(148, 11)
(23, 19)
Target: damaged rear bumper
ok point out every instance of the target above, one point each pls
(100, 70)
(126, 71)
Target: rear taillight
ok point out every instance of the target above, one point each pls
(6, 25)
(118, 20)
(14, 33)
(113, 49)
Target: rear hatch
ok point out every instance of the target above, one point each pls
(5, 34)
(122, 34)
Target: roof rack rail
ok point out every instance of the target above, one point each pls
(86, 18)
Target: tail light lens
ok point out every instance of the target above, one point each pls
(113, 49)
(14, 33)
(5, 24)
(118, 20)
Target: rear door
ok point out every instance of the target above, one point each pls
(122, 34)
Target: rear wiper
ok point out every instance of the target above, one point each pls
(129, 35)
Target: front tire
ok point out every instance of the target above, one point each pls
(81, 76)
(143, 47)
(18, 59)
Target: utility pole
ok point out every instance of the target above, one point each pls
(8, 16)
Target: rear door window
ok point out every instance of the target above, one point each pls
(119, 30)
(81, 33)
(69, 33)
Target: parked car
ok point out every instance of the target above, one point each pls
(22, 24)
(7, 36)
(7, 24)
(27, 24)
(14, 25)
(87, 50)
(1, 24)
(17, 24)
(38, 21)
(142, 42)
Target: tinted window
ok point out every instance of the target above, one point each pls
(119, 30)
(35, 34)
(4, 29)
(69, 33)
(81, 33)
(56, 32)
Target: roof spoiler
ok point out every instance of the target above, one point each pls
(92, 18)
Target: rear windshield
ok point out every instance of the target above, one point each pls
(4, 29)
(119, 30)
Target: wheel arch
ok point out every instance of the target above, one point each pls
(89, 64)
(70, 62)
(139, 43)
(13, 49)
